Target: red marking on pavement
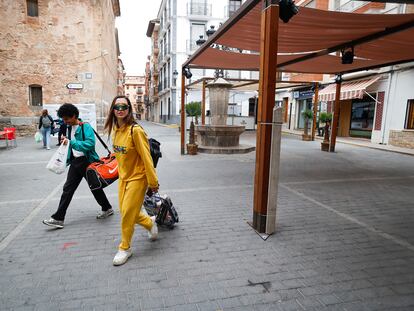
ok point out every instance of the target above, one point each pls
(67, 245)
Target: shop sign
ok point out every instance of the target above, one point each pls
(74, 86)
(305, 94)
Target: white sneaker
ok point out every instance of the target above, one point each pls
(153, 233)
(121, 257)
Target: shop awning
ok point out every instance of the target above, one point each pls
(349, 90)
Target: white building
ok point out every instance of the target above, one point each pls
(181, 23)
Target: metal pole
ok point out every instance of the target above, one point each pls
(203, 104)
(274, 170)
(335, 122)
(315, 109)
(267, 83)
(182, 126)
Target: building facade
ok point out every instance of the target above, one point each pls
(52, 52)
(384, 114)
(180, 24)
(134, 89)
(121, 77)
(153, 106)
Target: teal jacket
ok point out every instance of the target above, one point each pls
(87, 145)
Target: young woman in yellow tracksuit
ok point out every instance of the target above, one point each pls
(136, 174)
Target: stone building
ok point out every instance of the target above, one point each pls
(56, 51)
(121, 77)
(134, 90)
(153, 74)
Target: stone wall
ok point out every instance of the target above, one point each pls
(71, 41)
(404, 138)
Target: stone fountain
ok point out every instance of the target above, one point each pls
(218, 137)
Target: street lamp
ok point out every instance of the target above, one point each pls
(287, 9)
(211, 31)
(201, 41)
(175, 76)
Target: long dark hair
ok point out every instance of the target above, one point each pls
(111, 119)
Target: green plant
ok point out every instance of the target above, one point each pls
(193, 109)
(307, 114)
(325, 117)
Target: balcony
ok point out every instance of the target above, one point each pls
(198, 8)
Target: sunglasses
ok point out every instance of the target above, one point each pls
(121, 107)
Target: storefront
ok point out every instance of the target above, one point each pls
(304, 102)
(357, 106)
(362, 117)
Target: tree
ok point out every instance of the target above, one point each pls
(193, 109)
(307, 114)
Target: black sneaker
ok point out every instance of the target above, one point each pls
(53, 223)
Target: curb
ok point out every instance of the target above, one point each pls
(172, 126)
(356, 144)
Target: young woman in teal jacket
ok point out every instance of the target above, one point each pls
(81, 140)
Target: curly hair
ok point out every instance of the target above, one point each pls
(68, 110)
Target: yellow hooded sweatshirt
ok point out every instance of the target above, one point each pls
(133, 155)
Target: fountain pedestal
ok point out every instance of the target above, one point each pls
(219, 137)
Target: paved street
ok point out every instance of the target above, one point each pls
(345, 238)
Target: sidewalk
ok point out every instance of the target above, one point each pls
(360, 142)
(344, 240)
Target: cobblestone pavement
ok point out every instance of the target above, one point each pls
(344, 241)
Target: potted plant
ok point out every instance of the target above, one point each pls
(307, 115)
(326, 118)
(193, 109)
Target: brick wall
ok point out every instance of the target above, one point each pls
(379, 111)
(404, 138)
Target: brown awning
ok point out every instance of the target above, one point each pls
(307, 44)
(349, 90)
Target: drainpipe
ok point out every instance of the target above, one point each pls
(388, 105)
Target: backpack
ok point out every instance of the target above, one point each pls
(154, 146)
(47, 121)
(167, 215)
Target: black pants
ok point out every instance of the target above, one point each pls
(77, 171)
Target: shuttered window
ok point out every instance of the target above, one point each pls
(35, 95)
(32, 8)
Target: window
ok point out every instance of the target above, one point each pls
(127, 87)
(32, 8)
(197, 30)
(234, 5)
(35, 95)
(409, 122)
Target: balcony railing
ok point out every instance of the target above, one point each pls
(198, 8)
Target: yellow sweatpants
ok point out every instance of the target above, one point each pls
(131, 197)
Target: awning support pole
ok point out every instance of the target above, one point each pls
(335, 122)
(203, 104)
(267, 82)
(182, 126)
(315, 109)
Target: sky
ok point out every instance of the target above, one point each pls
(132, 27)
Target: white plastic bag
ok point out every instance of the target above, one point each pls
(57, 164)
(38, 137)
